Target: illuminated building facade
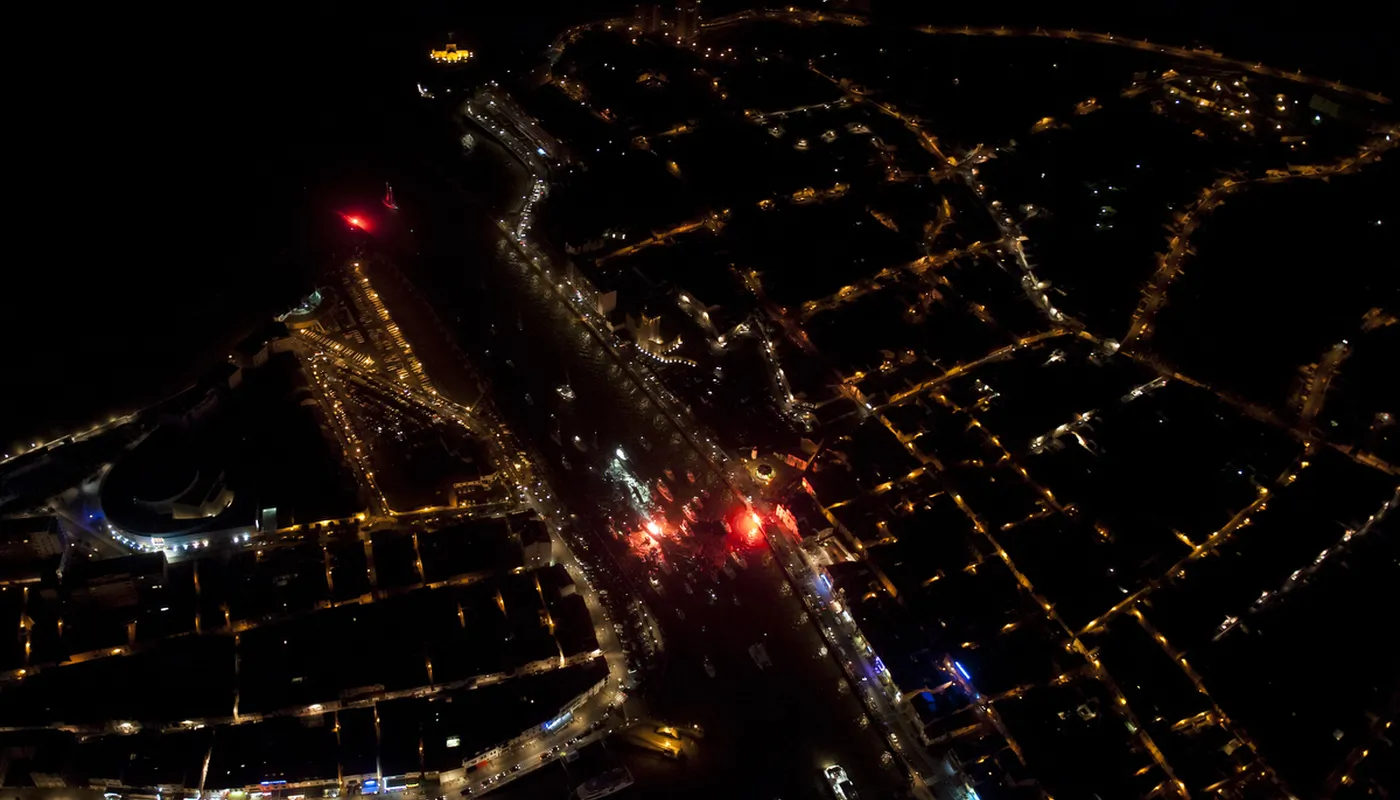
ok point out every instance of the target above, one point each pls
(646, 332)
(449, 54)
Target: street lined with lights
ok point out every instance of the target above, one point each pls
(959, 389)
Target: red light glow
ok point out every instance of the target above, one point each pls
(653, 528)
(747, 525)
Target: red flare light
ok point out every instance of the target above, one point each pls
(653, 528)
(748, 525)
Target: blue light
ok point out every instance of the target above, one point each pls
(972, 793)
(826, 580)
(962, 670)
(879, 665)
(559, 720)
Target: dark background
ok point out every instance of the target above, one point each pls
(179, 169)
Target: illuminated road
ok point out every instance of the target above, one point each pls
(1179, 245)
(331, 366)
(1011, 254)
(596, 718)
(776, 727)
(59, 441)
(568, 380)
(799, 17)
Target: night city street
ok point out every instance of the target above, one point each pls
(841, 400)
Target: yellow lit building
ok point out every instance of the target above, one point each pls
(449, 54)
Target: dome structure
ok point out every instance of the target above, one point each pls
(172, 483)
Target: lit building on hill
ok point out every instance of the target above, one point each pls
(450, 54)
